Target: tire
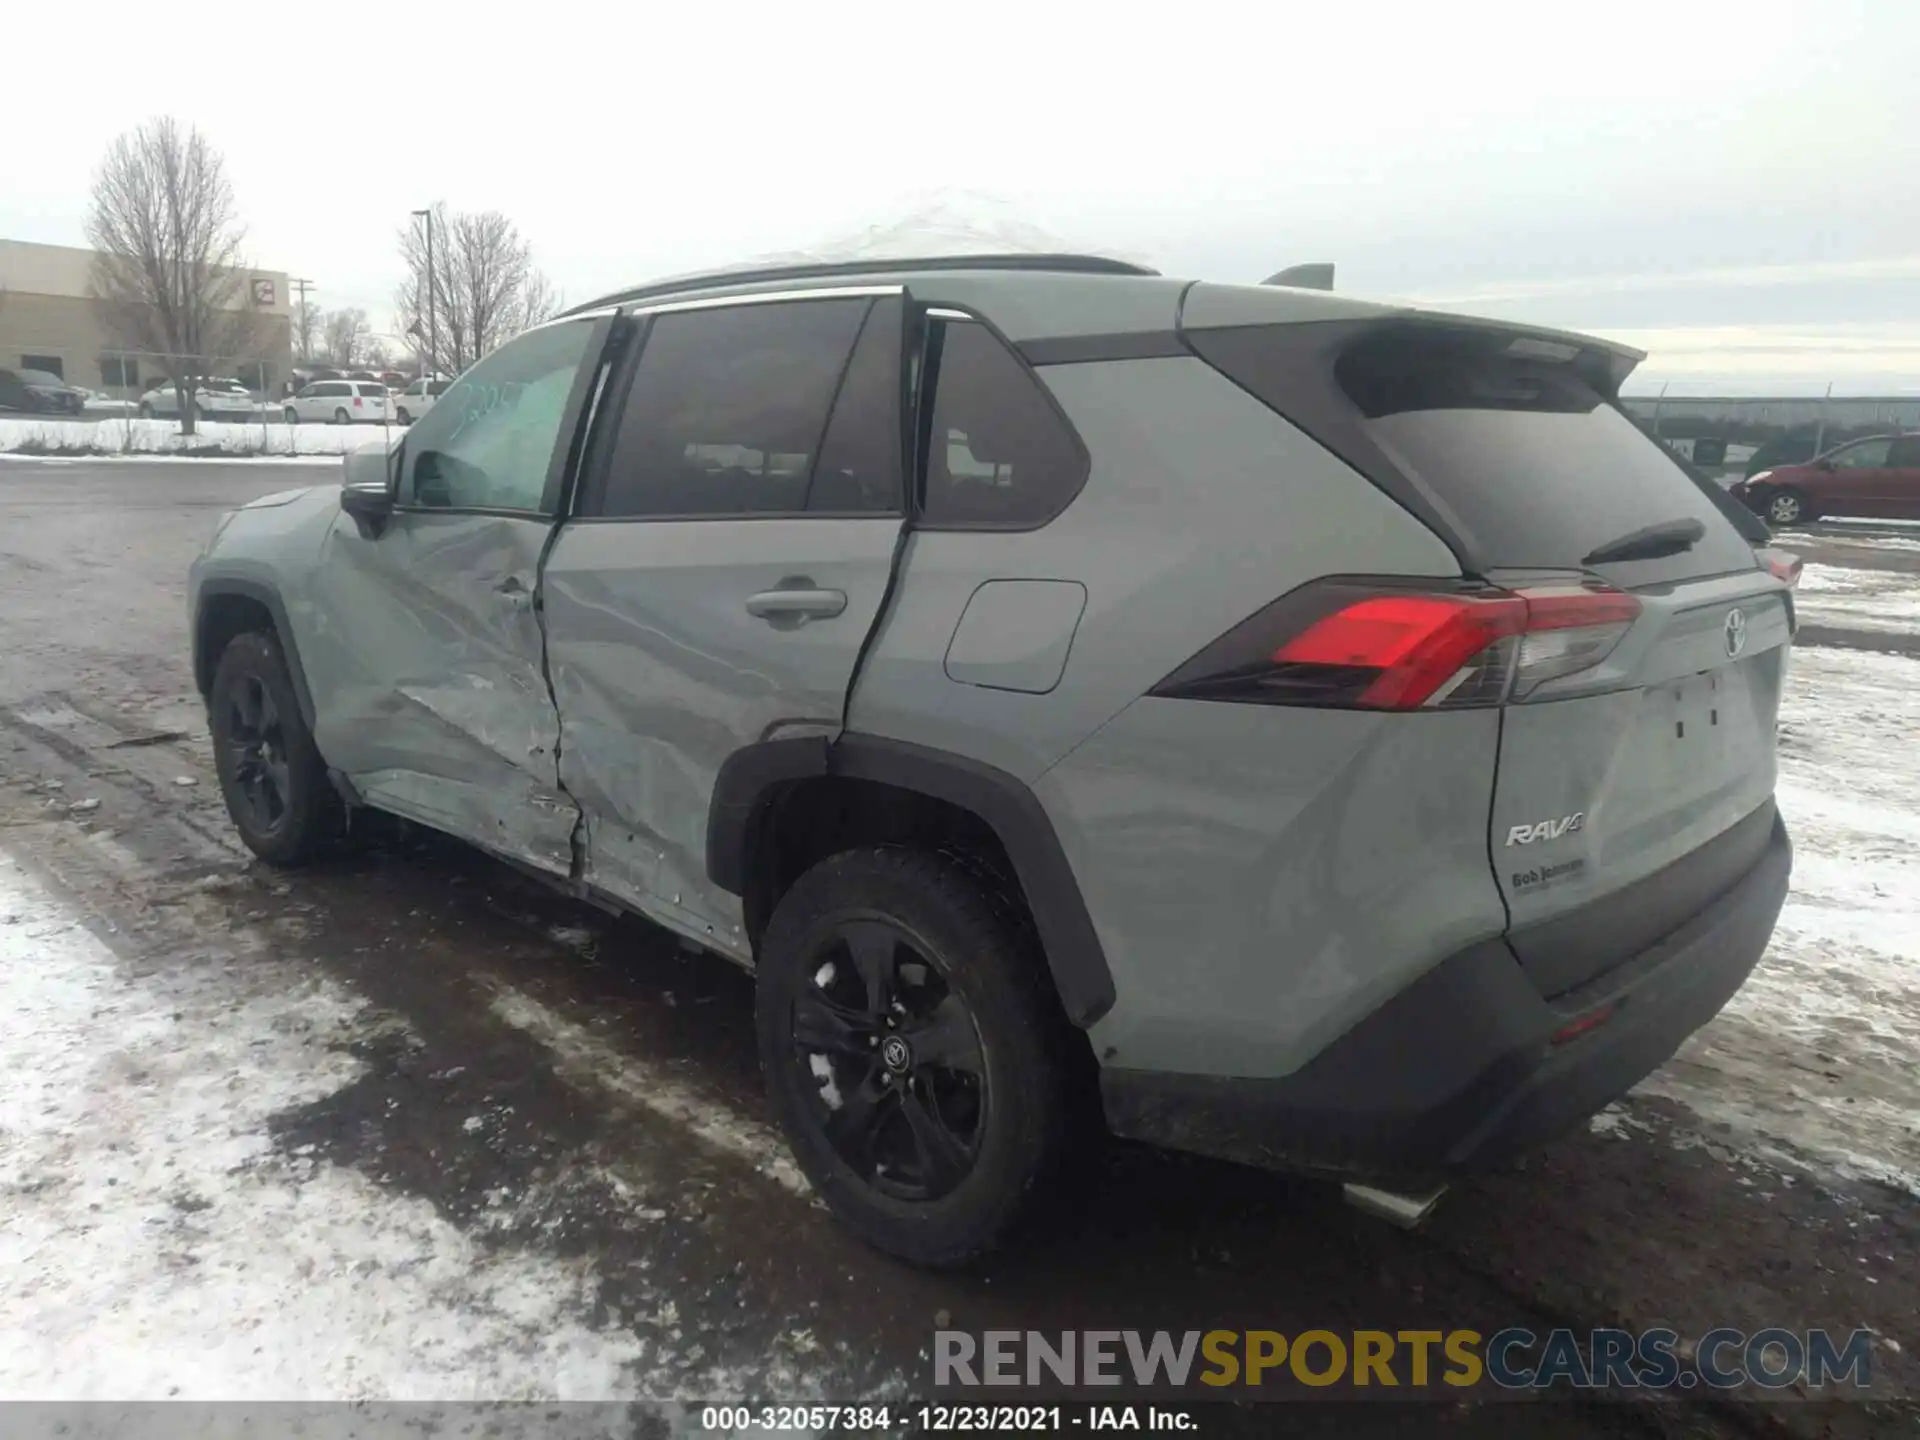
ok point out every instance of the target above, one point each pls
(271, 774)
(291, 415)
(953, 1154)
(1786, 507)
(400, 414)
(146, 411)
(340, 417)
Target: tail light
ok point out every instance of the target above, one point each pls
(1385, 645)
(1782, 565)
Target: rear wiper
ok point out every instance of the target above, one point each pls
(1669, 537)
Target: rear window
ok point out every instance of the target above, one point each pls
(1514, 447)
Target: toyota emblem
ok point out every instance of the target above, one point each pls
(1736, 632)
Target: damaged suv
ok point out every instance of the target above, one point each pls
(1330, 734)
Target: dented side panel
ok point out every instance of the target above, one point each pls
(425, 661)
(667, 656)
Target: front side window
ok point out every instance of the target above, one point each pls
(726, 410)
(998, 454)
(1867, 455)
(489, 442)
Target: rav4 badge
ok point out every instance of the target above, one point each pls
(1546, 829)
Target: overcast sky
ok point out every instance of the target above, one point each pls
(1730, 186)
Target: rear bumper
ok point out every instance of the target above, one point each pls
(1460, 1070)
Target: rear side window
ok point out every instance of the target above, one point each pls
(727, 409)
(1867, 455)
(999, 455)
(1514, 448)
(373, 389)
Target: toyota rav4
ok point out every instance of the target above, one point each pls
(1331, 735)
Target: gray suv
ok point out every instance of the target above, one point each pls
(1309, 732)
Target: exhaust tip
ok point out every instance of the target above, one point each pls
(1400, 1208)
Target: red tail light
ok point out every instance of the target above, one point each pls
(1782, 565)
(1382, 645)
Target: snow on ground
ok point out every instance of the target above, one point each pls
(154, 1244)
(1814, 1060)
(1858, 599)
(145, 439)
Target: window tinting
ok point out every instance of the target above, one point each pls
(858, 470)
(726, 409)
(998, 453)
(488, 444)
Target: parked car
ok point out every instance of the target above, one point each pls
(1878, 478)
(417, 399)
(213, 399)
(39, 392)
(1319, 733)
(339, 402)
(98, 402)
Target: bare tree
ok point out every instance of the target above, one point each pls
(484, 287)
(169, 272)
(344, 336)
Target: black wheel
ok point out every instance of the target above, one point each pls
(291, 415)
(910, 1051)
(340, 417)
(402, 416)
(271, 774)
(1786, 507)
(146, 411)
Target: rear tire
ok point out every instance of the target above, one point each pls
(340, 417)
(931, 1109)
(291, 415)
(1787, 507)
(271, 774)
(146, 411)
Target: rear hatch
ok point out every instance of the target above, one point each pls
(1636, 757)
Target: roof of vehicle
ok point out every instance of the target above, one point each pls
(1067, 295)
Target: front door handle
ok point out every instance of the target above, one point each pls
(797, 604)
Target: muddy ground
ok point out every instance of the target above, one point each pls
(538, 1090)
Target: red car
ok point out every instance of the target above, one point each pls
(1877, 477)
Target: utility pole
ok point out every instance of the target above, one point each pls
(303, 286)
(433, 327)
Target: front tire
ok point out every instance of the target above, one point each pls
(291, 415)
(271, 774)
(402, 416)
(1787, 507)
(146, 411)
(910, 1052)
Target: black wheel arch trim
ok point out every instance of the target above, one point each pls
(269, 599)
(1004, 803)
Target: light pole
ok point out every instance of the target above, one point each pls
(433, 328)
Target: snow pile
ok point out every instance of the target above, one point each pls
(148, 438)
(1858, 599)
(156, 1244)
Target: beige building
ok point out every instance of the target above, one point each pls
(49, 321)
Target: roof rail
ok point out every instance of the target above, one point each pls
(834, 269)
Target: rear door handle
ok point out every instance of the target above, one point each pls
(797, 603)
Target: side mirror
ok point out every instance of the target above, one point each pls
(370, 486)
